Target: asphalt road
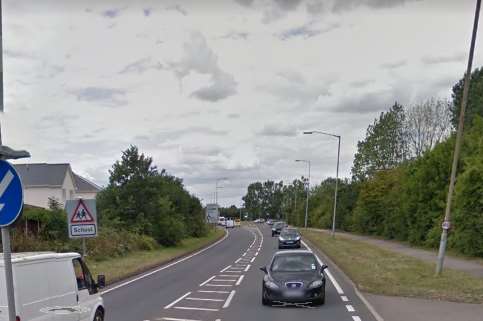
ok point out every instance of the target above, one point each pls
(223, 283)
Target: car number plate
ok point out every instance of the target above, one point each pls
(293, 294)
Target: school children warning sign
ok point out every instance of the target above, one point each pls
(81, 218)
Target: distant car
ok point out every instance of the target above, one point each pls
(294, 277)
(270, 222)
(256, 221)
(289, 238)
(222, 221)
(229, 223)
(277, 228)
(262, 220)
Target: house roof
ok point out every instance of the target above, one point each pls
(42, 174)
(52, 175)
(84, 185)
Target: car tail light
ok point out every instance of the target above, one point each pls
(17, 318)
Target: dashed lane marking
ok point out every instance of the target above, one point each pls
(228, 267)
(252, 260)
(350, 308)
(177, 300)
(356, 318)
(239, 280)
(228, 300)
(247, 268)
(344, 298)
(207, 281)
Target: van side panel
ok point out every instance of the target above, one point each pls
(31, 290)
(63, 287)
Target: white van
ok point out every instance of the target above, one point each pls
(52, 287)
(222, 221)
(230, 223)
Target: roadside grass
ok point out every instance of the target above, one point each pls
(380, 271)
(118, 268)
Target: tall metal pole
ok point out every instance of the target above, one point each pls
(7, 254)
(459, 138)
(216, 192)
(336, 188)
(307, 203)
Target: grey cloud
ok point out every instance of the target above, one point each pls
(434, 60)
(111, 13)
(394, 65)
(306, 31)
(233, 116)
(360, 83)
(200, 58)
(178, 8)
(278, 130)
(245, 3)
(344, 5)
(315, 7)
(365, 103)
(110, 97)
(288, 4)
(292, 76)
(236, 35)
(140, 66)
(147, 12)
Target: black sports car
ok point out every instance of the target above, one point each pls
(293, 276)
(289, 238)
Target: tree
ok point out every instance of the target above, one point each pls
(427, 124)
(475, 98)
(384, 146)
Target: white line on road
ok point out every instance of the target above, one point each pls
(331, 277)
(176, 319)
(344, 298)
(256, 254)
(199, 309)
(239, 280)
(203, 299)
(356, 318)
(219, 285)
(247, 268)
(218, 292)
(226, 275)
(228, 300)
(166, 266)
(229, 266)
(223, 280)
(207, 281)
(252, 260)
(238, 260)
(176, 301)
(233, 271)
(350, 308)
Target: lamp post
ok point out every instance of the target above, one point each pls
(336, 173)
(308, 190)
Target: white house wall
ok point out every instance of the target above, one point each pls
(39, 196)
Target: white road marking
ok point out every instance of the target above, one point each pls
(331, 277)
(228, 300)
(238, 260)
(219, 285)
(252, 260)
(176, 301)
(175, 319)
(223, 280)
(256, 254)
(350, 308)
(229, 266)
(356, 318)
(233, 271)
(239, 280)
(198, 309)
(218, 292)
(344, 298)
(166, 266)
(247, 268)
(207, 281)
(226, 275)
(203, 299)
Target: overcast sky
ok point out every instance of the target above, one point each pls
(221, 88)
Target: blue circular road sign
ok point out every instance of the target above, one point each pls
(11, 194)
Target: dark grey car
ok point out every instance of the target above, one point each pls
(293, 276)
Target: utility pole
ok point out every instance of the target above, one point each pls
(459, 137)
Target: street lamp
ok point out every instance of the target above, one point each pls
(308, 189)
(336, 175)
(218, 187)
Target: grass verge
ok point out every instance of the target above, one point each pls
(133, 263)
(380, 271)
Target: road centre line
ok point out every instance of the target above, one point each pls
(166, 266)
(344, 298)
(350, 308)
(176, 301)
(228, 300)
(356, 318)
(217, 292)
(240, 279)
(331, 277)
(199, 309)
(207, 281)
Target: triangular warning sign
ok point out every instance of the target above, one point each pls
(81, 214)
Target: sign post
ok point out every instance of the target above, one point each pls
(81, 219)
(11, 204)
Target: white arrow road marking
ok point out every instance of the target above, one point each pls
(6, 180)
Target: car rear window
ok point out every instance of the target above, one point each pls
(294, 263)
